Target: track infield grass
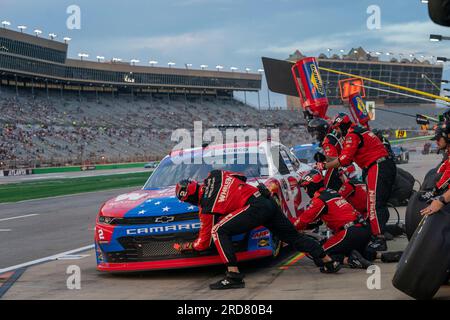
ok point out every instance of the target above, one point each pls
(14, 192)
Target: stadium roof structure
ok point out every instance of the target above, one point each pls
(412, 73)
(360, 55)
(30, 57)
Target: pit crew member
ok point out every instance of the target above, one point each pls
(379, 171)
(351, 233)
(442, 137)
(320, 129)
(242, 208)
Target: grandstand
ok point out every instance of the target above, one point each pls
(58, 111)
(41, 131)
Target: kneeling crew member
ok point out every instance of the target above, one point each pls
(243, 208)
(379, 171)
(350, 234)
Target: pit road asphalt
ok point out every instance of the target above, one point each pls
(51, 226)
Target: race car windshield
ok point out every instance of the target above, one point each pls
(305, 155)
(170, 172)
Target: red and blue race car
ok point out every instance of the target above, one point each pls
(136, 231)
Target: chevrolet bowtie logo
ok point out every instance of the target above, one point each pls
(164, 219)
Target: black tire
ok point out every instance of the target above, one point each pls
(402, 189)
(430, 180)
(425, 263)
(412, 215)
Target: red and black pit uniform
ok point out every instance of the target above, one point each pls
(444, 182)
(355, 192)
(242, 208)
(379, 171)
(341, 218)
(332, 148)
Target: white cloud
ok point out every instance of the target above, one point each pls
(174, 42)
(410, 37)
(308, 45)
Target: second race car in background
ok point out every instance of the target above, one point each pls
(305, 152)
(401, 154)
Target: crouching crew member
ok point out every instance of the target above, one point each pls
(443, 184)
(355, 192)
(379, 171)
(350, 233)
(320, 129)
(242, 208)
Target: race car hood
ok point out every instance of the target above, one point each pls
(153, 202)
(146, 203)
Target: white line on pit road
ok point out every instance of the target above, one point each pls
(49, 258)
(5, 230)
(20, 217)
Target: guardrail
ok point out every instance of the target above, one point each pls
(88, 167)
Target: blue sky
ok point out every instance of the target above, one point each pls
(230, 32)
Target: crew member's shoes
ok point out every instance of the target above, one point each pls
(232, 280)
(357, 261)
(378, 244)
(330, 267)
(391, 256)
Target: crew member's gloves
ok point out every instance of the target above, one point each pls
(184, 247)
(264, 191)
(320, 157)
(320, 166)
(425, 197)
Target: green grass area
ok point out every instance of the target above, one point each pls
(57, 187)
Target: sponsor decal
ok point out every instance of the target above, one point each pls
(260, 234)
(15, 172)
(209, 188)
(163, 229)
(358, 105)
(341, 203)
(263, 242)
(226, 187)
(130, 197)
(316, 81)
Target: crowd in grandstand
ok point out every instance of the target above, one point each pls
(64, 130)
(54, 131)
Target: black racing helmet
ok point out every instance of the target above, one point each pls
(342, 121)
(379, 133)
(318, 128)
(187, 190)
